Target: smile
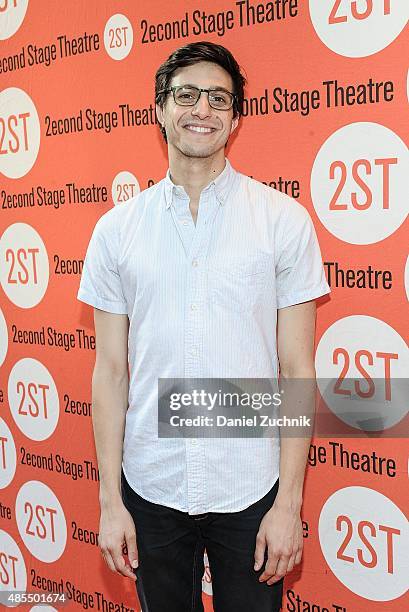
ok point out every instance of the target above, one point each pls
(200, 130)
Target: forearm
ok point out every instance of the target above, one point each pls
(298, 401)
(109, 404)
(294, 452)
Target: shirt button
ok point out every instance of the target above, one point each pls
(194, 442)
(193, 351)
(195, 263)
(193, 306)
(186, 222)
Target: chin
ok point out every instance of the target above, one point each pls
(199, 151)
(198, 154)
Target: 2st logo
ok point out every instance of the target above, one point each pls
(41, 521)
(12, 13)
(124, 187)
(118, 37)
(361, 360)
(361, 365)
(8, 455)
(366, 533)
(361, 166)
(358, 28)
(19, 132)
(13, 573)
(364, 539)
(33, 399)
(24, 269)
(356, 188)
(357, 10)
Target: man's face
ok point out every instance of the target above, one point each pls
(180, 120)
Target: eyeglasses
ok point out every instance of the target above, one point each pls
(187, 95)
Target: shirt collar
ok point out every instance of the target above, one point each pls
(221, 185)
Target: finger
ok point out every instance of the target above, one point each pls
(130, 538)
(272, 561)
(108, 560)
(281, 570)
(259, 552)
(298, 557)
(291, 564)
(120, 564)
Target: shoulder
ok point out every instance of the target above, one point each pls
(122, 216)
(283, 207)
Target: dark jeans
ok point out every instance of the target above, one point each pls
(171, 545)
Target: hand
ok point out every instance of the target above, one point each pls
(281, 533)
(116, 526)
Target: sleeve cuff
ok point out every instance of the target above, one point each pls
(97, 302)
(299, 297)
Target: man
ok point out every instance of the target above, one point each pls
(206, 274)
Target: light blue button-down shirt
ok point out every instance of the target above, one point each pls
(202, 302)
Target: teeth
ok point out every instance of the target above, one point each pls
(198, 129)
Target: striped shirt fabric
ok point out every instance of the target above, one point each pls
(202, 302)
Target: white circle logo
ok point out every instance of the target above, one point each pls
(7, 455)
(124, 187)
(12, 13)
(362, 365)
(33, 399)
(19, 132)
(357, 28)
(358, 182)
(14, 573)
(4, 338)
(24, 268)
(364, 538)
(118, 37)
(41, 521)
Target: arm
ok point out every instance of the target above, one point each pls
(295, 344)
(110, 382)
(281, 528)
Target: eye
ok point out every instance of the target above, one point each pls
(220, 97)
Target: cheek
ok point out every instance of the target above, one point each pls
(177, 121)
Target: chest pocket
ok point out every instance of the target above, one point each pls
(238, 283)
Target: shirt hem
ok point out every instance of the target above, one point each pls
(177, 507)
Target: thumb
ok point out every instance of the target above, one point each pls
(130, 539)
(259, 553)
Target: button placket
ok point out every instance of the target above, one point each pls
(184, 227)
(195, 296)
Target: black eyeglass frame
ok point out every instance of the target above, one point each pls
(200, 90)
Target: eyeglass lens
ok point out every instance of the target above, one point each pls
(188, 96)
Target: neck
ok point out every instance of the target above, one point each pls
(195, 173)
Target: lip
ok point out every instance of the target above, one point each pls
(209, 127)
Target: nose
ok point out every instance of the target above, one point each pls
(202, 108)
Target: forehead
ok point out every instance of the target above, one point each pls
(203, 74)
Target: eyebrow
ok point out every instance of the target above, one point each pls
(215, 87)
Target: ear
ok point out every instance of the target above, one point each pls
(159, 113)
(234, 123)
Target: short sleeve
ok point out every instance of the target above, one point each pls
(100, 284)
(300, 275)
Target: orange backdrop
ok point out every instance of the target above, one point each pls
(325, 120)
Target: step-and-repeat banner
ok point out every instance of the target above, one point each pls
(325, 121)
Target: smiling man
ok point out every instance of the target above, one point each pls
(207, 274)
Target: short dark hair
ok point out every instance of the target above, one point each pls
(192, 54)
